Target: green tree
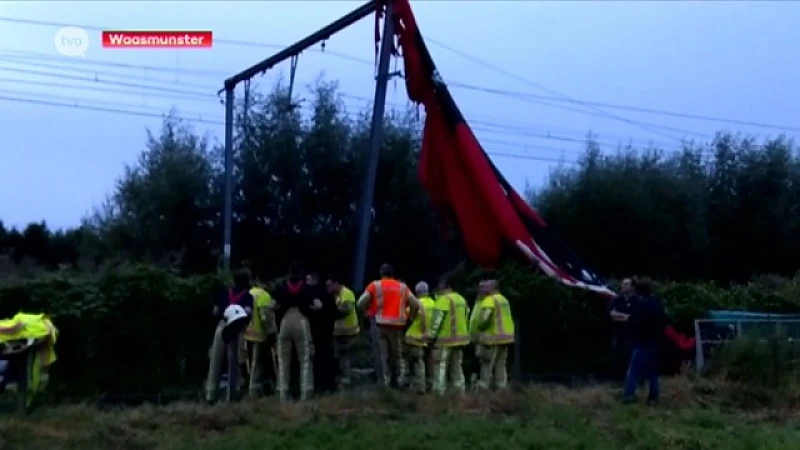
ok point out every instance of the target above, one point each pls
(725, 210)
(162, 208)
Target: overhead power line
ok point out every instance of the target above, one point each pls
(517, 94)
(529, 97)
(93, 79)
(556, 96)
(216, 122)
(240, 43)
(105, 73)
(97, 86)
(112, 82)
(646, 126)
(21, 55)
(484, 127)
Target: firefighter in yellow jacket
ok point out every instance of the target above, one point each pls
(417, 337)
(450, 334)
(260, 340)
(493, 330)
(345, 330)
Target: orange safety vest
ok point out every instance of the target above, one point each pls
(389, 298)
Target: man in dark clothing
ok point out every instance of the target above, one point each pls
(323, 322)
(647, 321)
(294, 305)
(239, 294)
(621, 345)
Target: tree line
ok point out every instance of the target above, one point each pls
(724, 210)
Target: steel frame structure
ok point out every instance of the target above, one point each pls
(376, 135)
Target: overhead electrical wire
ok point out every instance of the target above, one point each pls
(517, 95)
(192, 95)
(217, 122)
(79, 102)
(506, 129)
(646, 126)
(19, 55)
(598, 107)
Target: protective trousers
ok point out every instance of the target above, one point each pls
(449, 362)
(421, 367)
(391, 341)
(262, 362)
(493, 359)
(295, 335)
(342, 346)
(217, 355)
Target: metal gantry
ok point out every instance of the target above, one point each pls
(376, 135)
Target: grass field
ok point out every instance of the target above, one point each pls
(693, 415)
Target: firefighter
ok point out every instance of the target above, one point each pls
(294, 304)
(387, 298)
(346, 328)
(493, 327)
(475, 366)
(238, 294)
(260, 340)
(323, 322)
(419, 354)
(449, 336)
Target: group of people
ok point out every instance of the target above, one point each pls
(639, 320)
(426, 330)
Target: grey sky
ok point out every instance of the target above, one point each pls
(736, 60)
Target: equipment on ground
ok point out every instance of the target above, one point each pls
(26, 351)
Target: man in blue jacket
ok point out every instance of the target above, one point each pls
(647, 321)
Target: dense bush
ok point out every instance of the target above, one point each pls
(142, 329)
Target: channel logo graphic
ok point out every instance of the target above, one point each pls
(157, 39)
(71, 41)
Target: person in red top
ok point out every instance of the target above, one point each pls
(386, 299)
(238, 294)
(295, 305)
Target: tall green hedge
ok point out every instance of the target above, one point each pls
(142, 329)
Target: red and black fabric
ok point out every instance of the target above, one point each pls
(467, 188)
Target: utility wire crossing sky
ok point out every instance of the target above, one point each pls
(650, 74)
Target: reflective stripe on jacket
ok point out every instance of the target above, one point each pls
(500, 329)
(454, 331)
(389, 297)
(417, 333)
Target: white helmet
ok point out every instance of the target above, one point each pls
(233, 313)
(422, 288)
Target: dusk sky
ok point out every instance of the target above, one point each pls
(62, 149)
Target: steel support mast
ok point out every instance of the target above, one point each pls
(375, 141)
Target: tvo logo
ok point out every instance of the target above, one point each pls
(71, 41)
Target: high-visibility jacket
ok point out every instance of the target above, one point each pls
(419, 330)
(473, 319)
(33, 326)
(348, 325)
(262, 322)
(388, 301)
(500, 327)
(454, 330)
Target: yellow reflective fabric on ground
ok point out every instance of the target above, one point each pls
(32, 326)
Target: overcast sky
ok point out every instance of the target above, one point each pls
(729, 60)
